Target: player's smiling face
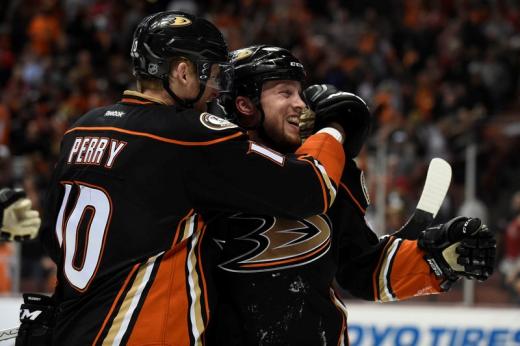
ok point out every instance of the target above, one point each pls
(282, 105)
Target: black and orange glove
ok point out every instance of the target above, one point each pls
(462, 247)
(332, 105)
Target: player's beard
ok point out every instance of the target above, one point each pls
(284, 145)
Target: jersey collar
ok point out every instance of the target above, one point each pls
(135, 97)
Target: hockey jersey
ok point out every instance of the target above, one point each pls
(125, 215)
(275, 276)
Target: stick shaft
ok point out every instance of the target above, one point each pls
(435, 188)
(7, 334)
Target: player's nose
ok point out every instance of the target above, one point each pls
(299, 104)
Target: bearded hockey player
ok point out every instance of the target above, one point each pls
(275, 275)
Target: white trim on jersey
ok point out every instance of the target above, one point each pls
(386, 271)
(135, 300)
(343, 309)
(271, 154)
(197, 325)
(326, 178)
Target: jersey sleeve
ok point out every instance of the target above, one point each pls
(402, 272)
(236, 174)
(370, 268)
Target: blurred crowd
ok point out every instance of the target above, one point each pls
(439, 75)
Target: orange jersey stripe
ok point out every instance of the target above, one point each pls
(162, 319)
(155, 137)
(411, 275)
(353, 198)
(116, 300)
(324, 148)
(204, 286)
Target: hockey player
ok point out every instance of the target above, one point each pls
(275, 275)
(135, 181)
(18, 221)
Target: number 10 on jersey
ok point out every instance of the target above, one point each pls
(91, 215)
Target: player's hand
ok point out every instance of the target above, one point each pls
(462, 247)
(17, 219)
(37, 317)
(349, 110)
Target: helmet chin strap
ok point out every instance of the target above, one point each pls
(187, 103)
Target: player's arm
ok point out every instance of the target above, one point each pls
(255, 178)
(376, 269)
(462, 247)
(391, 268)
(365, 263)
(18, 221)
(368, 267)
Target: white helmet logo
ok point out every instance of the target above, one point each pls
(153, 68)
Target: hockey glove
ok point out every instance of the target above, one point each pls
(37, 315)
(349, 110)
(307, 118)
(17, 220)
(462, 247)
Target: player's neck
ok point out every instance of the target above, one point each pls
(160, 95)
(261, 137)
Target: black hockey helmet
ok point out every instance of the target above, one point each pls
(255, 65)
(163, 36)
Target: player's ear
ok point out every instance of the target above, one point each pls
(180, 72)
(248, 113)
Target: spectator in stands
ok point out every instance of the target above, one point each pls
(429, 68)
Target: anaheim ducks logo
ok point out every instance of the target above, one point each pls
(179, 21)
(241, 54)
(214, 122)
(278, 243)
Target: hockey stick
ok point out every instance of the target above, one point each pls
(7, 334)
(434, 191)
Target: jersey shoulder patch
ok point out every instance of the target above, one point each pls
(190, 127)
(164, 123)
(214, 122)
(206, 127)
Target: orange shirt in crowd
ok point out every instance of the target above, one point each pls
(44, 30)
(6, 253)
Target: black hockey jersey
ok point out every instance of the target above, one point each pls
(125, 213)
(275, 276)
